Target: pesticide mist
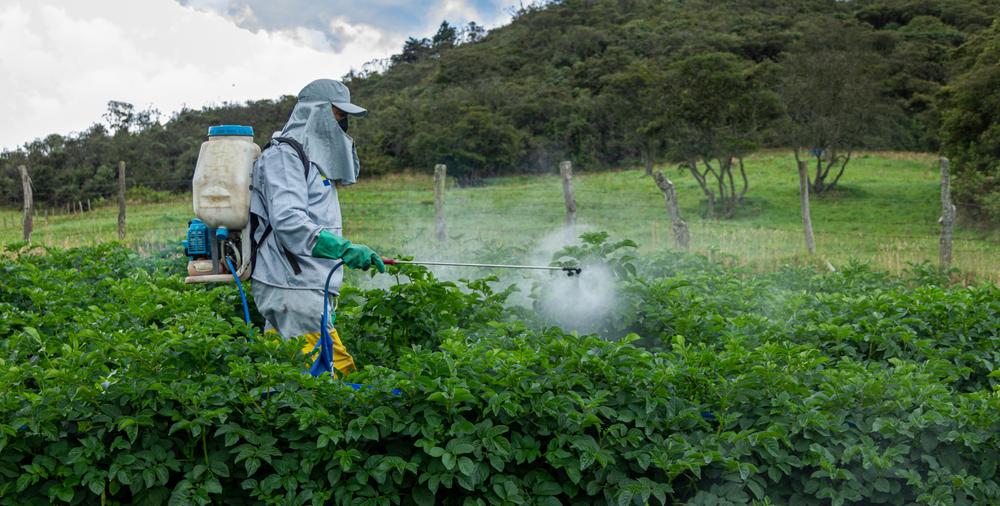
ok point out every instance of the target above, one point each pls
(580, 303)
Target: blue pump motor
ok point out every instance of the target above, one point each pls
(197, 243)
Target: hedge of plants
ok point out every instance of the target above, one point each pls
(708, 384)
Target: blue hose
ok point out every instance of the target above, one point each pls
(324, 362)
(243, 295)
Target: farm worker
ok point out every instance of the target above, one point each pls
(298, 228)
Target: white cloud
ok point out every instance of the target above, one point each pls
(64, 60)
(455, 9)
(417, 18)
(357, 37)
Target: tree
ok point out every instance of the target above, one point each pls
(830, 92)
(635, 96)
(119, 115)
(446, 36)
(471, 33)
(970, 132)
(720, 107)
(123, 118)
(414, 50)
(473, 141)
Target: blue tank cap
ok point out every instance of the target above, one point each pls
(230, 130)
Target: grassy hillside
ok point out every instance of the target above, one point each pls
(885, 213)
(593, 81)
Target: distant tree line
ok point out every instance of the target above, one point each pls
(607, 83)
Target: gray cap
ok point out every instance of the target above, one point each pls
(334, 92)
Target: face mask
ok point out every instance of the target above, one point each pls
(326, 143)
(343, 123)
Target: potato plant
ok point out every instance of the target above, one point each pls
(708, 385)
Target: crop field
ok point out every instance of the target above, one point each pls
(742, 372)
(886, 213)
(706, 383)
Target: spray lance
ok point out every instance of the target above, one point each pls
(570, 271)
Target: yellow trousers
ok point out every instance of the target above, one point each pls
(342, 359)
(295, 313)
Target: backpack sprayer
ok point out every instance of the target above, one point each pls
(218, 239)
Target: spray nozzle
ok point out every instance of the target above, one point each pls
(572, 271)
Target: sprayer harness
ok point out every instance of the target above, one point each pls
(255, 220)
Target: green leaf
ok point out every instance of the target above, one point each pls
(422, 496)
(252, 465)
(625, 497)
(96, 486)
(219, 468)
(547, 488)
(213, 486)
(448, 460)
(466, 466)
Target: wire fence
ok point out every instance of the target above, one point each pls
(464, 221)
(394, 215)
(523, 212)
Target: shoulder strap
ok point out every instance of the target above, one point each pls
(299, 150)
(255, 245)
(292, 261)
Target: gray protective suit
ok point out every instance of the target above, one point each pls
(297, 208)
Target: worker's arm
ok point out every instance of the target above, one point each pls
(289, 196)
(288, 200)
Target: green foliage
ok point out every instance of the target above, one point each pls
(831, 89)
(125, 386)
(596, 249)
(971, 131)
(720, 108)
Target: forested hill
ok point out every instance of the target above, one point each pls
(602, 82)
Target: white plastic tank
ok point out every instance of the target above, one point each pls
(221, 184)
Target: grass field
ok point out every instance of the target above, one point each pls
(885, 212)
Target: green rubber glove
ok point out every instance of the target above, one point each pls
(355, 256)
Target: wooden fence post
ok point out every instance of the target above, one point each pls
(121, 200)
(28, 202)
(680, 228)
(806, 219)
(947, 214)
(566, 171)
(440, 179)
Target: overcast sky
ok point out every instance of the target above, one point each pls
(61, 61)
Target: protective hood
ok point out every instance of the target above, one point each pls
(325, 143)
